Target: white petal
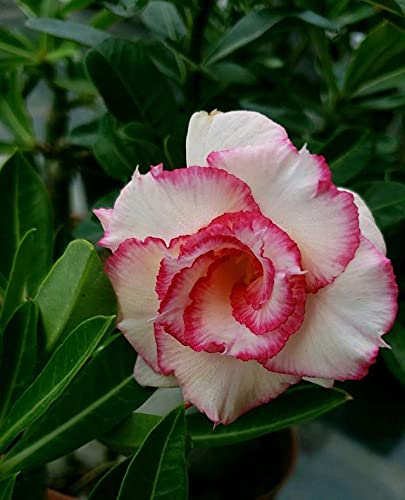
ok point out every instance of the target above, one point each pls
(147, 377)
(217, 131)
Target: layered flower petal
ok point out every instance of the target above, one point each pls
(344, 322)
(220, 386)
(147, 377)
(217, 131)
(167, 204)
(132, 270)
(295, 191)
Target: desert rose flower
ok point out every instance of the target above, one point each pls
(247, 271)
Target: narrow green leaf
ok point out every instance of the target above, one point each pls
(296, 405)
(374, 56)
(15, 44)
(386, 199)
(7, 487)
(60, 370)
(24, 204)
(395, 357)
(393, 79)
(389, 5)
(159, 468)
(74, 5)
(108, 486)
(124, 8)
(76, 288)
(80, 33)
(20, 277)
(164, 19)
(19, 366)
(38, 7)
(102, 395)
(131, 86)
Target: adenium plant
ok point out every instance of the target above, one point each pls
(247, 271)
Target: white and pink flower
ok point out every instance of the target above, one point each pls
(247, 271)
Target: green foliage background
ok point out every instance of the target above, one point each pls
(120, 80)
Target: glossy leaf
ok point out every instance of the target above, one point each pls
(7, 487)
(132, 87)
(387, 201)
(80, 33)
(159, 468)
(58, 373)
(24, 204)
(102, 395)
(76, 288)
(395, 357)
(19, 365)
(20, 278)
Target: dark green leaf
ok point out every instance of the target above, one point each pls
(20, 278)
(395, 357)
(389, 5)
(109, 485)
(159, 468)
(80, 33)
(121, 148)
(76, 288)
(74, 5)
(230, 73)
(15, 44)
(394, 79)
(38, 7)
(24, 204)
(164, 19)
(374, 56)
(124, 8)
(132, 87)
(102, 395)
(19, 366)
(296, 405)
(387, 201)
(7, 487)
(60, 370)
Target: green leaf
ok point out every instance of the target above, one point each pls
(374, 57)
(248, 29)
(395, 357)
(76, 288)
(13, 112)
(164, 19)
(24, 204)
(386, 199)
(108, 486)
(7, 487)
(394, 79)
(38, 7)
(15, 44)
(58, 373)
(296, 405)
(348, 152)
(132, 87)
(159, 468)
(121, 148)
(20, 278)
(74, 5)
(124, 8)
(102, 395)
(19, 366)
(389, 5)
(80, 33)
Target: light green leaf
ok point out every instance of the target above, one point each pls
(24, 204)
(74, 5)
(80, 33)
(7, 487)
(124, 8)
(19, 365)
(101, 395)
(164, 19)
(76, 288)
(15, 43)
(159, 468)
(386, 199)
(58, 373)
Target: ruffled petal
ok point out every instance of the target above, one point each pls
(295, 191)
(132, 270)
(344, 322)
(147, 377)
(168, 204)
(222, 387)
(217, 131)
